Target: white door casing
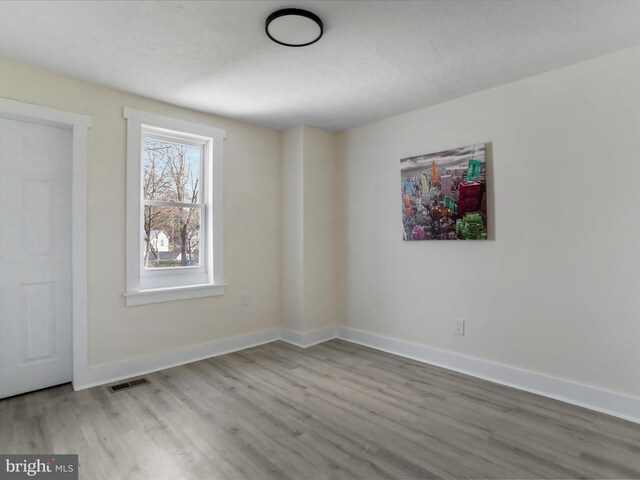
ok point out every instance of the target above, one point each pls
(78, 125)
(35, 256)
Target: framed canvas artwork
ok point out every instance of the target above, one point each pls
(444, 195)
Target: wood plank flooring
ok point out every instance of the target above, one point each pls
(333, 411)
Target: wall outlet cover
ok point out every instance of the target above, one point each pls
(458, 326)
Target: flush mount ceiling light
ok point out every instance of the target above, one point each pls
(294, 27)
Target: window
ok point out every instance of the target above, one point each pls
(174, 209)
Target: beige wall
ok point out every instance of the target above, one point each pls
(556, 292)
(251, 223)
(309, 229)
(292, 229)
(320, 228)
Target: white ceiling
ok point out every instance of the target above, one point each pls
(376, 59)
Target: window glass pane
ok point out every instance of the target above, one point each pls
(171, 237)
(171, 171)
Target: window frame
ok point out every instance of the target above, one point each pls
(178, 283)
(174, 276)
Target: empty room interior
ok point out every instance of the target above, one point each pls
(319, 239)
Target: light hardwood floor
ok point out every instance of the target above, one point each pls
(336, 410)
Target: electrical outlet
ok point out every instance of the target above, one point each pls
(458, 326)
(244, 299)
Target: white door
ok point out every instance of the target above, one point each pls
(35, 256)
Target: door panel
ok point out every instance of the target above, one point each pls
(38, 198)
(35, 256)
(38, 322)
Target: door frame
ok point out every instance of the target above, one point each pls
(79, 125)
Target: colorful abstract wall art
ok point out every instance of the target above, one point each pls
(444, 195)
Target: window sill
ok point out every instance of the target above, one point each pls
(157, 295)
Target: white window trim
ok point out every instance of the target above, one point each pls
(209, 284)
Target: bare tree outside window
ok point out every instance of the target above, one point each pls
(172, 210)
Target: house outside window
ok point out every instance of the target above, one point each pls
(174, 209)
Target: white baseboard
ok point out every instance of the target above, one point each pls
(113, 372)
(309, 339)
(593, 398)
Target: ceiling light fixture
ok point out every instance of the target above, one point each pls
(294, 27)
